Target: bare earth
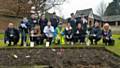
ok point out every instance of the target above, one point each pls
(58, 58)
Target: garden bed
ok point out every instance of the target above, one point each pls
(83, 57)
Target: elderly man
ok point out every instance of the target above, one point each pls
(11, 35)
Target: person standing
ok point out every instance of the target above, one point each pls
(84, 23)
(43, 22)
(72, 21)
(33, 21)
(54, 20)
(24, 28)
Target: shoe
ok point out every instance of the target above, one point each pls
(95, 43)
(91, 43)
(67, 43)
(72, 43)
(81, 43)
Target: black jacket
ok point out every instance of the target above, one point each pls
(11, 34)
(96, 31)
(54, 21)
(106, 34)
(79, 32)
(68, 32)
(26, 28)
(43, 23)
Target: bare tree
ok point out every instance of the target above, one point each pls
(101, 8)
(22, 8)
(45, 5)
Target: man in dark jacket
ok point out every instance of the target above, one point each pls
(54, 20)
(72, 21)
(33, 21)
(11, 35)
(95, 34)
(43, 22)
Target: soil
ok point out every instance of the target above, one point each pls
(58, 58)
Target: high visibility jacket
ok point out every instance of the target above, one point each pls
(59, 35)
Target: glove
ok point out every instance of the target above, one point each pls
(77, 32)
(23, 25)
(94, 35)
(7, 42)
(107, 38)
(70, 36)
(67, 37)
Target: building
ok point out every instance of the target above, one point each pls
(91, 17)
(112, 20)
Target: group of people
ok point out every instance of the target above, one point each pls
(57, 32)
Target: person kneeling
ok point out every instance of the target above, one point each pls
(59, 34)
(49, 33)
(69, 34)
(11, 35)
(36, 35)
(107, 35)
(79, 34)
(95, 34)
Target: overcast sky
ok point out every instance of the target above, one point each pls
(71, 6)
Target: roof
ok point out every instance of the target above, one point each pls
(112, 18)
(84, 12)
(97, 17)
(87, 12)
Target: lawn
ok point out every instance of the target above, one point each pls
(115, 49)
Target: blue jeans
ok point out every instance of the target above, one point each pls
(23, 37)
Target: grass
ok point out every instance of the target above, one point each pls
(115, 49)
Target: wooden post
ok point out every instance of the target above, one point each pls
(116, 23)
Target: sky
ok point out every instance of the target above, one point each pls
(70, 6)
